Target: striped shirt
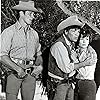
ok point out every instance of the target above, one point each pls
(61, 55)
(88, 56)
(19, 43)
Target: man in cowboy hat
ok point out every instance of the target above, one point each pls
(60, 63)
(21, 52)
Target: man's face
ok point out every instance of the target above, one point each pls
(73, 34)
(28, 17)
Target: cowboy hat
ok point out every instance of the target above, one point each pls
(70, 21)
(26, 5)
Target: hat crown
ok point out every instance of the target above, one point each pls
(70, 21)
(24, 0)
(25, 5)
(27, 2)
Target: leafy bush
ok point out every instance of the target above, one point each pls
(46, 24)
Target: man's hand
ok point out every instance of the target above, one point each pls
(74, 56)
(69, 75)
(37, 70)
(72, 73)
(21, 73)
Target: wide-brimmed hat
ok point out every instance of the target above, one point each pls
(26, 5)
(70, 21)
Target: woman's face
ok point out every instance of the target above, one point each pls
(84, 42)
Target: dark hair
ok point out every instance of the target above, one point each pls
(85, 33)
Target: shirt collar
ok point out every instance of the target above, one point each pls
(67, 41)
(79, 50)
(18, 26)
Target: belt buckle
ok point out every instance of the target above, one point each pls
(28, 71)
(20, 61)
(26, 62)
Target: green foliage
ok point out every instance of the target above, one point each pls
(46, 24)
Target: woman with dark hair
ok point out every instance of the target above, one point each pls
(85, 77)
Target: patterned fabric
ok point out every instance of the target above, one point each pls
(88, 57)
(19, 42)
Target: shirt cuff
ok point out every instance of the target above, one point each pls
(39, 53)
(3, 54)
(71, 67)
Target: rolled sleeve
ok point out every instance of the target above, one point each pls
(92, 59)
(39, 50)
(5, 39)
(60, 53)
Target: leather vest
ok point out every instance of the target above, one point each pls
(52, 65)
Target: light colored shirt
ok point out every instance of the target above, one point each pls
(87, 72)
(61, 55)
(17, 43)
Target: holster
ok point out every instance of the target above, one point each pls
(51, 88)
(52, 84)
(3, 84)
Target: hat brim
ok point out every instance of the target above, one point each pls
(25, 8)
(71, 21)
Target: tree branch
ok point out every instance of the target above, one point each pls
(66, 11)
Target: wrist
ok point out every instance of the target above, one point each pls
(19, 69)
(75, 66)
(40, 67)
